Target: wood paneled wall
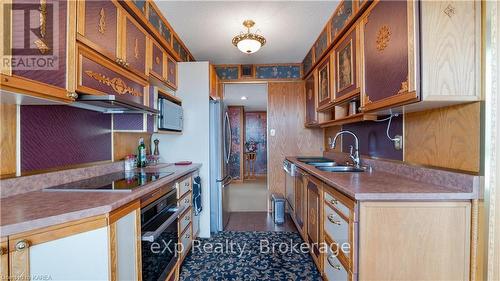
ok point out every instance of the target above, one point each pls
(7, 139)
(126, 143)
(445, 137)
(286, 102)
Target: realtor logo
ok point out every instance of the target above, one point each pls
(31, 37)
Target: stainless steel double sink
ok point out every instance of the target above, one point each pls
(327, 165)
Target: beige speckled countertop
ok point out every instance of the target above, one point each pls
(39, 208)
(382, 185)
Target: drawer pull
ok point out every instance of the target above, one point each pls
(331, 218)
(186, 184)
(22, 245)
(186, 200)
(187, 218)
(72, 95)
(336, 266)
(334, 201)
(187, 236)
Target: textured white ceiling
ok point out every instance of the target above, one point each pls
(256, 94)
(207, 28)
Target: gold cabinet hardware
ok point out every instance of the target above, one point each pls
(336, 266)
(72, 95)
(187, 218)
(334, 201)
(331, 218)
(186, 200)
(3, 251)
(22, 245)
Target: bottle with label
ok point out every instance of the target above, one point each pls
(141, 154)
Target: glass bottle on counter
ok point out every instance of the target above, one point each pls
(141, 154)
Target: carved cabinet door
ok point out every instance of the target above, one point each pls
(311, 114)
(158, 61)
(97, 26)
(388, 47)
(171, 72)
(313, 214)
(346, 62)
(134, 47)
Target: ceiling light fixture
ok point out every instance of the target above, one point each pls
(244, 98)
(249, 42)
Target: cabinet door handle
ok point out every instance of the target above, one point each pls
(334, 201)
(336, 266)
(331, 218)
(22, 245)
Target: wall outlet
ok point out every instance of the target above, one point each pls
(398, 142)
(272, 132)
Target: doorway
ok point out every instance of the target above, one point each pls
(247, 108)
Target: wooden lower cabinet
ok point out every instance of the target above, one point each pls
(4, 259)
(300, 201)
(414, 240)
(107, 244)
(314, 217)
(378, 240)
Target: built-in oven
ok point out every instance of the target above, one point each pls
(159, 235)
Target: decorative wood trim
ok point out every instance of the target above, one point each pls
(27, 86)
(392, 101)
(6, 35)
(80, 20)
(113, 255)
(138, 247)
(59, 231)
(119, 213)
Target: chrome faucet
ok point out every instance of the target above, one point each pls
(354, 155)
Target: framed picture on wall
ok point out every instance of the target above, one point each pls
(345, 67)
(324, 82)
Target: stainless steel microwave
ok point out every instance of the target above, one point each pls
(171, 115)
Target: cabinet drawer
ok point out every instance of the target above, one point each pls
(185, 220)
(338, 204)
(334, 270)
(335, 226)
(185, 201)
(184, 186)
(186, 239)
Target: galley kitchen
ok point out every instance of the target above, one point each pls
(249, 140)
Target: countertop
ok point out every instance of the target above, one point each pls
(382, 185)
(38, 209)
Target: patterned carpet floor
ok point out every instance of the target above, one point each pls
(249, 256)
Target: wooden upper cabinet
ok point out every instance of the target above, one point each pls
(98, 26)
(37, 36)
(134, 48)
(171, 72)
(324, 83)
(310, 92)
(214, 81)
(389, 62)
(346, 65)
(158, 61)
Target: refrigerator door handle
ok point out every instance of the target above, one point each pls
(227, 143)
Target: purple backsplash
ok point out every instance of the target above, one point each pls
(373, 140)
(57, 135)
(128, 121)
(151, 120)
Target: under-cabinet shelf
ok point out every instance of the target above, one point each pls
(349, 119)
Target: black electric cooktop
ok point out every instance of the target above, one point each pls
(120, 181)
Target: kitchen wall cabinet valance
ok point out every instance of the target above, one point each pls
(49, 77)
(99, 76)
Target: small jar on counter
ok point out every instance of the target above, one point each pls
(129, 163)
